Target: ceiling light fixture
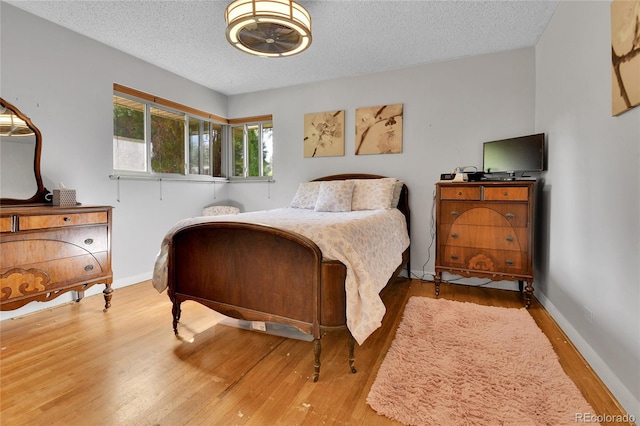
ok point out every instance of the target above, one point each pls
(270, 28)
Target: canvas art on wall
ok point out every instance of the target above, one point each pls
(324, 134)
(625, 55)
(379, 130)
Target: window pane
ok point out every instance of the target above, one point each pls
(205, 147)
(237, 136)
(216, 149)
(167, 141)
(129, 148)
(254, 147)
(194, 146)
(267, 149)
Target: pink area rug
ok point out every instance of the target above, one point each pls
(455, 363)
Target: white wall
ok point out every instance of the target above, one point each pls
(591, 244)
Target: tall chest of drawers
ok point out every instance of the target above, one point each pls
(46, 251)
(485, 229)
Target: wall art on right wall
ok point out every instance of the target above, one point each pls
(625, 55)
(379, 130)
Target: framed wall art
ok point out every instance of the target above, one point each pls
(379, 130)
(324, 134)
(625, 55)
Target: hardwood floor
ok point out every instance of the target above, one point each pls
(75, 365)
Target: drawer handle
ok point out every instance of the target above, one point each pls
(455, 213)
(459, 192)
(88, 268)
(67, 219)
(88, 241)
(510, 238)
(510, 262)
(505, 193)
(510, 216)
(454, 235)
(454, 256)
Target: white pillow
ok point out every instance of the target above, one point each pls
(219, 210)
(306, 196)
(397, 190)
(335, 196)
(372, 194)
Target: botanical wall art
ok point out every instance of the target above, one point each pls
(379, 130)
(625, 55)
(324, 134)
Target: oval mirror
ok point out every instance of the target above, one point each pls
(20, 145)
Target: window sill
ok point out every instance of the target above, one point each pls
(250, 179)
(174, 178)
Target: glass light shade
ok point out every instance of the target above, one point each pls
(270, 28)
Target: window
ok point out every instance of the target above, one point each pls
(252, 150)
(156, 137)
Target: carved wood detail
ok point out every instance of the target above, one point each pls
(18, 282)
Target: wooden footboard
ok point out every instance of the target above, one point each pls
(248, 271)
(257, 273)
(260, 273)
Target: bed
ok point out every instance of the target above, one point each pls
(318, 264)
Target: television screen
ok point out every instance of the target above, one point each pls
(521, 154)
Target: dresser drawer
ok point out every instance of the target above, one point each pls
(451, 211)
(485, 261)
(52, 245)
(59, 220)
(24, 280)
(485, 237)
(5, 224)
(506, 193)
(489, 214)
(460, 193)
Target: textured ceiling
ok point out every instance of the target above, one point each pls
(349, 37)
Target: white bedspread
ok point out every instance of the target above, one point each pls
(369, 243)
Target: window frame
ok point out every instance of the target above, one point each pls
(245, 124)
(226, 148)
(188, 115)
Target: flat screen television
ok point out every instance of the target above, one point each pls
(514, 155)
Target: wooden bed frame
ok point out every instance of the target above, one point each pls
(260, 273)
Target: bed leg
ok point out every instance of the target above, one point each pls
(316, 359)
(176, 315)
(352, 358)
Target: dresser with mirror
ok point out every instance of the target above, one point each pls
(45, 250)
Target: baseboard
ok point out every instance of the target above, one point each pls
(616, 387)
(136, 279)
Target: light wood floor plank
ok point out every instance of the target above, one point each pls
(75, 365)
